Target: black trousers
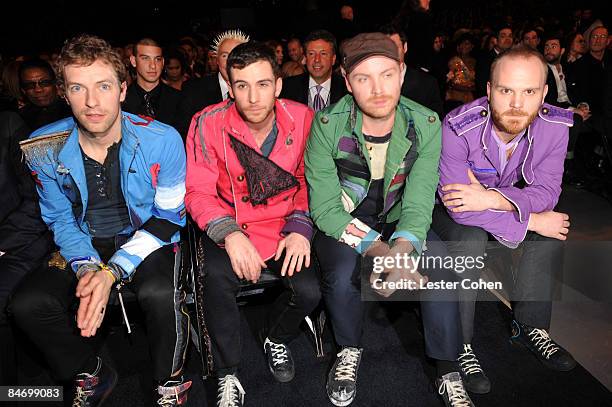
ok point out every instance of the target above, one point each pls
(532, 292)
(341, 274)
(221, 285)
(44, 305)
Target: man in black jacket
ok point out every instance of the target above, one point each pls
(148, 95)
(42, 103)
(25, 241)
(505, 40)
(319, 87)
(209, 90)
(418, 85)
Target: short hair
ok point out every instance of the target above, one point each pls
(503, 27)
(554, 36)
(391, 29)
(321, 35)
(144, 41)
(237, 35)
(520, 51)
(570, 39)
(35, 63)
(248, 53)
(84, 50)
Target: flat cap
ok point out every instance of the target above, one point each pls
(365, 45)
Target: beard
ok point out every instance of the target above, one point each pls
(513, 121)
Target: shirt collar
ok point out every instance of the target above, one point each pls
(223, 86)
(312, 85)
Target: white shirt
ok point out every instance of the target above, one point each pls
(312, 86)
(223, 86)
(561, 86)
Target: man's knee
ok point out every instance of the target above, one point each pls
(30, 303)
(308, 292)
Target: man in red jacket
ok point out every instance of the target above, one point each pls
(246, 189)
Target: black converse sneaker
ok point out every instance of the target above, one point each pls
(474, 379)
(173, 392)
(92, 389)
(450, 387)
(280, 361)
(230, 392)
(342, 378)
(542, 346)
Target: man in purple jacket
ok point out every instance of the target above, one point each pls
(500, 176)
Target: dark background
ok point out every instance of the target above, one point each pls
(31, 26)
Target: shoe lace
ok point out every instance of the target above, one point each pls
(79, 397)
(542, 341)
(279, 353)
(468, 361)
(347, 367)
(230, 390)
(456, 393)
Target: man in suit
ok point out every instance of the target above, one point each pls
(505, 41)
(209, 90)
(418, 85)
(319, 87)
(148, 95)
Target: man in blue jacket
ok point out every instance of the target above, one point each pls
(111, 189)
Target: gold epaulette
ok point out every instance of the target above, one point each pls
(37, 148)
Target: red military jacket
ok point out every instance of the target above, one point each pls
(232, 186)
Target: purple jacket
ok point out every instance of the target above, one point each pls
(467, 142)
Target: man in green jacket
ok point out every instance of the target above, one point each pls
(372, 170)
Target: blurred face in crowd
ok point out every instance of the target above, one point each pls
(465, 47)
(438, 43)
(553, 51)
(255, 89)
(531, 39)
(578, 46)
(516, 92)
(95, 95)
(375, 84)
(320, 59)
(598, 41)
(278, 53)
(174, 69)
(223, 51)
(149, 64)
(189, 52)
(504, 39)
(295, 50)
(211, 61)
(38, 86)
(346, 13)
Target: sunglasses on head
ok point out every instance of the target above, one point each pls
(43, 83)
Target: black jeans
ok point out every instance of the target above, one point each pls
(44, 304)
(532, 292)
(221, 285)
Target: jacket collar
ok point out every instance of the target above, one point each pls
(235, 124)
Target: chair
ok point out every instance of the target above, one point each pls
(268, 279)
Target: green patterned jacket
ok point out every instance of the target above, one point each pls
(338, 173)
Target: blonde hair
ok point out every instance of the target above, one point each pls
(84, 50)
(237, 35)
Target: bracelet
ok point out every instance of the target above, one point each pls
(110, 271)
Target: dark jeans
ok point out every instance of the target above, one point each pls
(532, 291)
(341, 268)
(44, 306)
(221, 285)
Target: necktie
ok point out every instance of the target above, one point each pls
(318, 103)
(149, 106)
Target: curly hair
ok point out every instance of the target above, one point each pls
(84, 50)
